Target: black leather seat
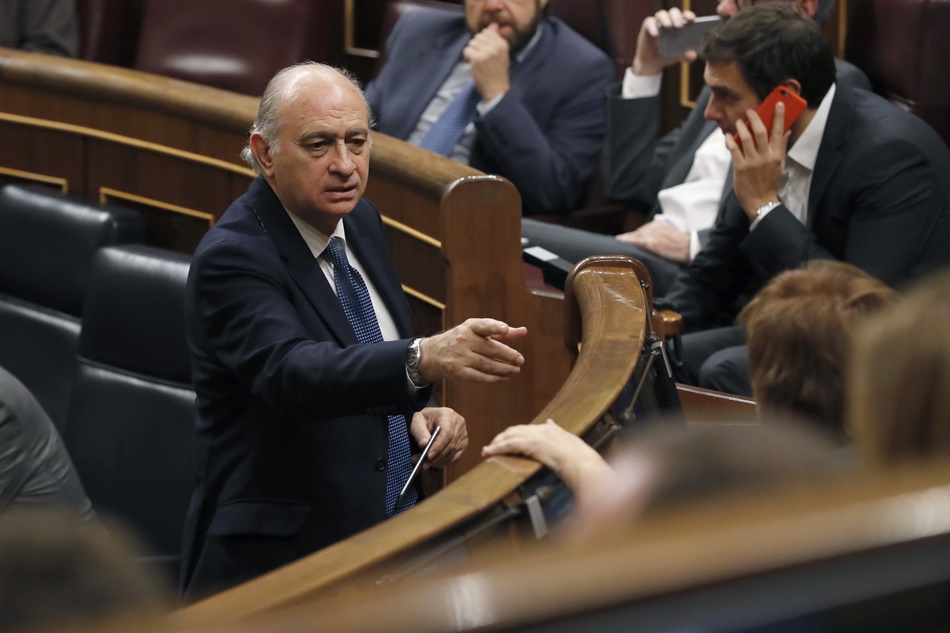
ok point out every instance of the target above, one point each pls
(47, 241)
(130, 421)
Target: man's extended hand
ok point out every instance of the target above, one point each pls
(452, 440)
(488, 53)
(759, 163)
(474, 350)
(660, 238)
(647, 60)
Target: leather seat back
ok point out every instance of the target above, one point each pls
(47, 241)
(131, 417)
(236, 45)
(902, 46)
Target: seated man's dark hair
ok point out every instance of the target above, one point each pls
(772, 43)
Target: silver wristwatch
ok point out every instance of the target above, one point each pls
(413, 355)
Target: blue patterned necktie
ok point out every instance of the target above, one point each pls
(358, 307)
(445, 133)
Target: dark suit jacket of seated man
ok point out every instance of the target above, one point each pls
(878, 196)
(545, 134)
(296, 408)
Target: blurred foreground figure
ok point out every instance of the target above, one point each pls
(57, 571)
(899, 387)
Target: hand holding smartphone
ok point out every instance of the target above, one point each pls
(675, 42)
(794, 106)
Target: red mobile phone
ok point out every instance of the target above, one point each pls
(794, 106)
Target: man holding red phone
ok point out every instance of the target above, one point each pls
(683, 177)
(855, 179)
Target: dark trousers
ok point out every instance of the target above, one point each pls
(575, 244)
(716, 359)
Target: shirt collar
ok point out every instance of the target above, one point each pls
(316, 240)
(805, 150)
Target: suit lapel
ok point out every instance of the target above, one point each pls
(303, 268)
(835, 136)
(434, 63)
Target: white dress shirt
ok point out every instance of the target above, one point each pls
(692, 205)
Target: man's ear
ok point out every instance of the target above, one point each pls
(792, 85)
(262, 152)
(808, 7)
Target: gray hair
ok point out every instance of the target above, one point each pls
(267, 123)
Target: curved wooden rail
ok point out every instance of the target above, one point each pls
(755, 560)
(484, 502)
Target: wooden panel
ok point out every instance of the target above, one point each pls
(25, 148)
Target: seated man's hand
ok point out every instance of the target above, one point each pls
(661, 239)
(647, 60)
(474, 350)
(452, 439)
(488, 53)
(758, 165)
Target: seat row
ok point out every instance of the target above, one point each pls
(92, 322)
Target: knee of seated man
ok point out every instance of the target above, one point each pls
(727, 370)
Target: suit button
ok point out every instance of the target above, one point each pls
(380, 464)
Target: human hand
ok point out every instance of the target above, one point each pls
(758, 165)
(452, 439)
(489, 54)
(578, 465)
(660, 238)
(475, 350)
(647, 59)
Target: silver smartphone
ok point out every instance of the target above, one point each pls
(674, 42)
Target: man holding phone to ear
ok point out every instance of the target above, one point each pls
(855, 179)
(683, 177)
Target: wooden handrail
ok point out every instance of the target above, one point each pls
(613, 316)
(741, 559)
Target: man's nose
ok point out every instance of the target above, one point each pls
(711, 113)
(342, 162)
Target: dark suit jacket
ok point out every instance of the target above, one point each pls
(291, 426)
(546, 133)
(879, 199)
(637, 165)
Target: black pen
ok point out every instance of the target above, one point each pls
(412, 475)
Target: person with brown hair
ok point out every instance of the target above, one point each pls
(899, 378)
(799, 331)
(799, 334)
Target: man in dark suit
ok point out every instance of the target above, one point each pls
(856, 179)
(682, 178)
(310, 388)
(539, 118)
